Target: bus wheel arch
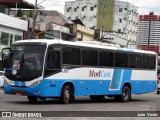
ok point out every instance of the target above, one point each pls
(125, 93)
(67, 93)
(128, 84)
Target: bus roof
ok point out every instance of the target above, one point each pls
(84, 44)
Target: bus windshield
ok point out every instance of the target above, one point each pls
(25, 62)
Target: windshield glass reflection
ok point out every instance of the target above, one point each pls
(26, 62)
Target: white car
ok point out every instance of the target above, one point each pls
(1, 78)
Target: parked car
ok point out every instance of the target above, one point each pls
(1, 78)
(158, 84)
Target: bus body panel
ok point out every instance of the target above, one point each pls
(51, 87)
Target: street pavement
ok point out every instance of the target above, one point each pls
(144, 102)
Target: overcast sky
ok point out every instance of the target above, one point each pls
(145, 6)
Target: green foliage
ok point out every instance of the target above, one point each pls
(19, 13)
(31, 14)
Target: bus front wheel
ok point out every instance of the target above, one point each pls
(67, 95)
(126, 95)
(32, 99)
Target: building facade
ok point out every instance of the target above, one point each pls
(12, 28)
(109, 15)
(85, 10)
(149, 32)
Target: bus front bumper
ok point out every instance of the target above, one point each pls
(44, 89)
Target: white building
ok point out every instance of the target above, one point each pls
(12, 28)
(85, 10)
(109, 15)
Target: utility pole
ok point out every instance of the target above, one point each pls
(34, 19)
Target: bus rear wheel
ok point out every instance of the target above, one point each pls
(67, 95)
(126, 95)
(32, 99)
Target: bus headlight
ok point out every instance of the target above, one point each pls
(6, 83)
(36, 83)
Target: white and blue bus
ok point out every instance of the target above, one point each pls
(62, 69)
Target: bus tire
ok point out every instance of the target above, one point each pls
(67, 95)
(126, 95)
(32, 99)
(97, 97)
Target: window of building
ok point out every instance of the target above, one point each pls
(119, 30)
(71, 56)
(4, 9)
(120, 10)
(120, 20)
(106, 58)
(4, 38)
(82, 8)
(91, 8)
(17, 37)
(121, 59)
(90, 57)
(145, 61)
(68, 9)
(75, 9)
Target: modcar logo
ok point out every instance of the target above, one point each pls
(100, 73)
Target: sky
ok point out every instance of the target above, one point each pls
(144, 6)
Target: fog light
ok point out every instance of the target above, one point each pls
(36, 92)
(6, 83)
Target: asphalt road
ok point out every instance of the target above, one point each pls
(145, 102)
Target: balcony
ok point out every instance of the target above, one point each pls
(13, 22)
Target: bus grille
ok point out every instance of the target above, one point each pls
(23, 92)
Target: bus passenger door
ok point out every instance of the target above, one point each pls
(53, 62)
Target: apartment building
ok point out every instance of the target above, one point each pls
(108, 15)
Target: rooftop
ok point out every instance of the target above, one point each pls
(20, 4)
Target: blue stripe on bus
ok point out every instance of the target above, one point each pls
(119, 77)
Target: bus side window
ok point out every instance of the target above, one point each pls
(53, 59)
(152, 62)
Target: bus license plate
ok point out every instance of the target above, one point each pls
(19, 94)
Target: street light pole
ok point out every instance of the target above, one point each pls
(34, 19)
